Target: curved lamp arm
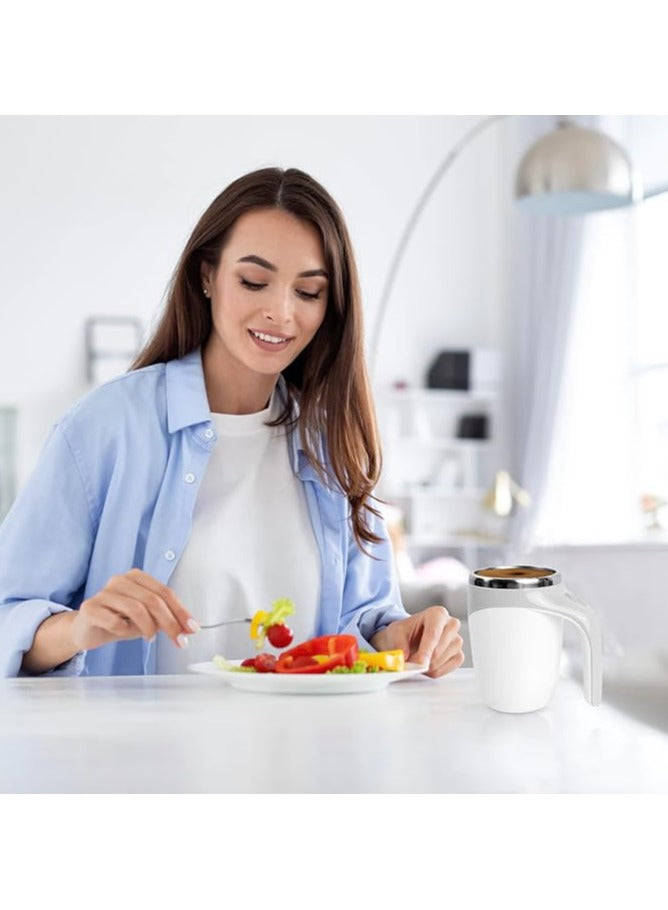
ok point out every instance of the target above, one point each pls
(412, 221)
(428, 191)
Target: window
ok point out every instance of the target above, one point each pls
(611, 435)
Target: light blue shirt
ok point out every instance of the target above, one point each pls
(115, 488)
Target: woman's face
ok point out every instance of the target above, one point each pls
(269, 292)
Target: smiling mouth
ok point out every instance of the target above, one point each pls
(266, 338)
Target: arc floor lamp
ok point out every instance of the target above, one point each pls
(569, 171)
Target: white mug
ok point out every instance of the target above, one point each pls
(516, 618)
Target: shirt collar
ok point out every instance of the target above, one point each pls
(187, 402)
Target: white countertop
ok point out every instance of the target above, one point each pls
(195, 734)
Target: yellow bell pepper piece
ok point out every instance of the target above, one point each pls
(384, 660)
(257, 622)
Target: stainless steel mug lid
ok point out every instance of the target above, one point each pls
(515, 577)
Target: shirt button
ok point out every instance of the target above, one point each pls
(170, 554)
(208, 434)
(190, 478)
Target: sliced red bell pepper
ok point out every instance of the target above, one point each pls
(318, 655)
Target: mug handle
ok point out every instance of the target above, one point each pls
(565, 604)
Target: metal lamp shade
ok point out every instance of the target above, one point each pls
(575, 170)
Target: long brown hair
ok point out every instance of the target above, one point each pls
(330, 373)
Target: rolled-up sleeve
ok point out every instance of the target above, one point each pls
(45, 546)
(371, 596)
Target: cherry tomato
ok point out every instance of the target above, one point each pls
(249, 662)
(279, 635)
(265, 663)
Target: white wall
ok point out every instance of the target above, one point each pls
(96, 210)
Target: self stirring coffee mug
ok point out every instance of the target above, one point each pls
(516, 619)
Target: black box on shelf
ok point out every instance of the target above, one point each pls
(476, 369)
(473, 426)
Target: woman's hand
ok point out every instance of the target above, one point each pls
(428, 637)
(132, 605)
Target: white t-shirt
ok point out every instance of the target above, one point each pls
(251, 543)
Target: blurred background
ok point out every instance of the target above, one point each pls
(519, 364)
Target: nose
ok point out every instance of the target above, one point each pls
(280, 308)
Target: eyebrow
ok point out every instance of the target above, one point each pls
(258, 260)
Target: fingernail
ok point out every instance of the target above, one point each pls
(193, 625)
(181, 641)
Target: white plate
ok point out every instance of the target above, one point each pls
(307, 683)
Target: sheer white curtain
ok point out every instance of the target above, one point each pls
(589, 494)
(545, 273)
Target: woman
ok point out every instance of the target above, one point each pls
(232, 465)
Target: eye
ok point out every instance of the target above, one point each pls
(251, 286)
(309, 296)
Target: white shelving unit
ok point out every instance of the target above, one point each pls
(8, 424)
(437, 479)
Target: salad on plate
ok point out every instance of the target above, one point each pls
(324, 654)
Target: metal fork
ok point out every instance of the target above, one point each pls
(226, 622)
